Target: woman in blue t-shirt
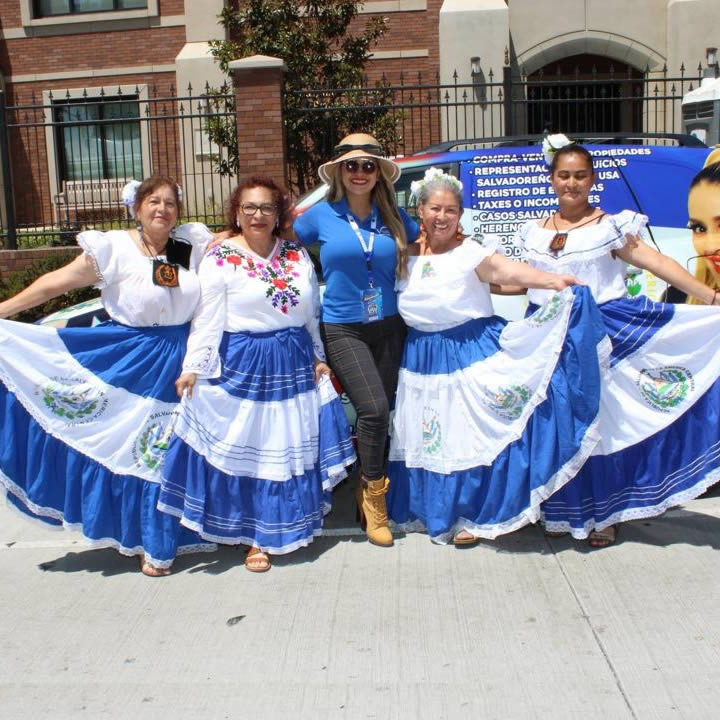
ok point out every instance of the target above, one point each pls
(363, 240)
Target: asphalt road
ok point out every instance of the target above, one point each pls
(525, 627)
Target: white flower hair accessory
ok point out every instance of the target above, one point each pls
(129, 193)
(431, 174)
(552, 143)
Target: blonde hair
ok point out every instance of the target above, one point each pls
(383, 196)
(709, 174)
(705, 276)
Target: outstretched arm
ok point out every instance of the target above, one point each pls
(507, 289)
(499, 270)
(637, 253)
(76, 274)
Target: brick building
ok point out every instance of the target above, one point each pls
(81, 68)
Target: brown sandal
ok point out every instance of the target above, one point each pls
(257, 561)
(463, 537)
(150, 570)
(603, 538)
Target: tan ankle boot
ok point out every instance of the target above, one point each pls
(370, 496)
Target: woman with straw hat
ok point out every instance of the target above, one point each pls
(363, 238)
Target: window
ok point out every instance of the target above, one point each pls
(98, 140)
(53, 8)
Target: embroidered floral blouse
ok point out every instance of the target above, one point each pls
(244, 292)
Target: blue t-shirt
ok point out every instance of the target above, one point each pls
(343, 260)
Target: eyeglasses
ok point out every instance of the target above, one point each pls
(366, 167)
(250, 209)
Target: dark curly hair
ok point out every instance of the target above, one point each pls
(281, 198)
(568, 150)
(149, 185)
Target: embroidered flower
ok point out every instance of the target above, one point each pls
(279, 273)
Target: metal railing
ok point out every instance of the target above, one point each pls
(62, 165)
(415, 113)
(64, 162)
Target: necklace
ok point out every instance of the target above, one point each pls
(164, 274)
(141, 235)
(560, 238)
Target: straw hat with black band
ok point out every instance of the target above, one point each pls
(359, 145)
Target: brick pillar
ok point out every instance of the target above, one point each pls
(258, 83)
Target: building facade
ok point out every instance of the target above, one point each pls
(80, 69)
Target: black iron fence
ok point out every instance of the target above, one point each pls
(65, 158)
(416, 112)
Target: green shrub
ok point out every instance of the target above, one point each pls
(14, 282)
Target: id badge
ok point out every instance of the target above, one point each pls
(165, 274)
(372, 305)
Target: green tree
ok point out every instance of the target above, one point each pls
(322, 55)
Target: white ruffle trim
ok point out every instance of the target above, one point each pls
(241, 540)
(336, 474)
(92, 543)
(640, 513)
(89, 251)
(628, 222)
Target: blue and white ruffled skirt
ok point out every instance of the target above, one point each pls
(659, 418)
(86, 419)
(257, 450)
(493, 417)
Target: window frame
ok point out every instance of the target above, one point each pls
(91, 94)
(60, 22)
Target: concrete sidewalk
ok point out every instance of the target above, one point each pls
(525, 627)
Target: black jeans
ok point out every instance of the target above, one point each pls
(366, 359)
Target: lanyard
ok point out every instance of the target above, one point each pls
(367, 247)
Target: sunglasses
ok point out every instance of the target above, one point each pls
(367, 167)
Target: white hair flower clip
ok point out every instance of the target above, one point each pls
(552, 143)
(431, 174)
(128, 194)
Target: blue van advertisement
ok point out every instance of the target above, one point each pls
(506, 187)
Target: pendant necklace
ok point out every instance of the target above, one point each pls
(164, 274)
(560, 238)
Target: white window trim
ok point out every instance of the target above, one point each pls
(28, 21)
(50, 136)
